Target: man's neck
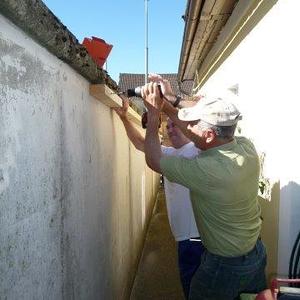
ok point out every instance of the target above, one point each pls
(218, 142)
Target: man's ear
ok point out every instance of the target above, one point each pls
(210, 136)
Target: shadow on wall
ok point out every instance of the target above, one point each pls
(289, 223)
(270, 228)
(291, 193)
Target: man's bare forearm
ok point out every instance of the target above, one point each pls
(133, 134)
(186, 103)
(153, 152)
(172, 113)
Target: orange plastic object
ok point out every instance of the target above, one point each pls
(98, 49)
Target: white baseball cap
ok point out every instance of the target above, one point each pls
(213, 110)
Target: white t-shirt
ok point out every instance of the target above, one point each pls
(179, 207)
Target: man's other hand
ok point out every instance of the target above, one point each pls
(122, 111)
(165, 85)
(152, 98)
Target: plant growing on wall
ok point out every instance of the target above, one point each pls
(264, 185)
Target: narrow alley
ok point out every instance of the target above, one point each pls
(157, 275)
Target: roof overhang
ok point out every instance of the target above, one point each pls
(213, 29)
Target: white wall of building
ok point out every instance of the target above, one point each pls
(266, 67)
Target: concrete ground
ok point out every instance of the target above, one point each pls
(157, 276)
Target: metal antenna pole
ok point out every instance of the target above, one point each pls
(146, 41)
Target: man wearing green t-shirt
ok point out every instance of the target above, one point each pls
(223, 185)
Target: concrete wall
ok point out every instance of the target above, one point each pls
(266, 67)
(75, 196)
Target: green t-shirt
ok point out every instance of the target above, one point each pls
(223, 183)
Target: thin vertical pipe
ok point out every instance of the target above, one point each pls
(146, 41)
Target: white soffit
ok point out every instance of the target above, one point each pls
(243, 19)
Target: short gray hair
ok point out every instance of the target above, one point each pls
(223, 132)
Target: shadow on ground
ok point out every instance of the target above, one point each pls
(157, 276)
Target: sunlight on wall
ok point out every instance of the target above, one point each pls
(266, 68)
(143, 186)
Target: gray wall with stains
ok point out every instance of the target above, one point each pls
(75, 196)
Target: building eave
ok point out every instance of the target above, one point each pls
(213, 30)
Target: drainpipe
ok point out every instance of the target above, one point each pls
(146, 41)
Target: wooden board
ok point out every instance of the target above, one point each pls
(111, 99)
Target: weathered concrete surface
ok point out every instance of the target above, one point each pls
(34, 17)
(74, 194)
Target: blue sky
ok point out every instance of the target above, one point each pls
(122, 24)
